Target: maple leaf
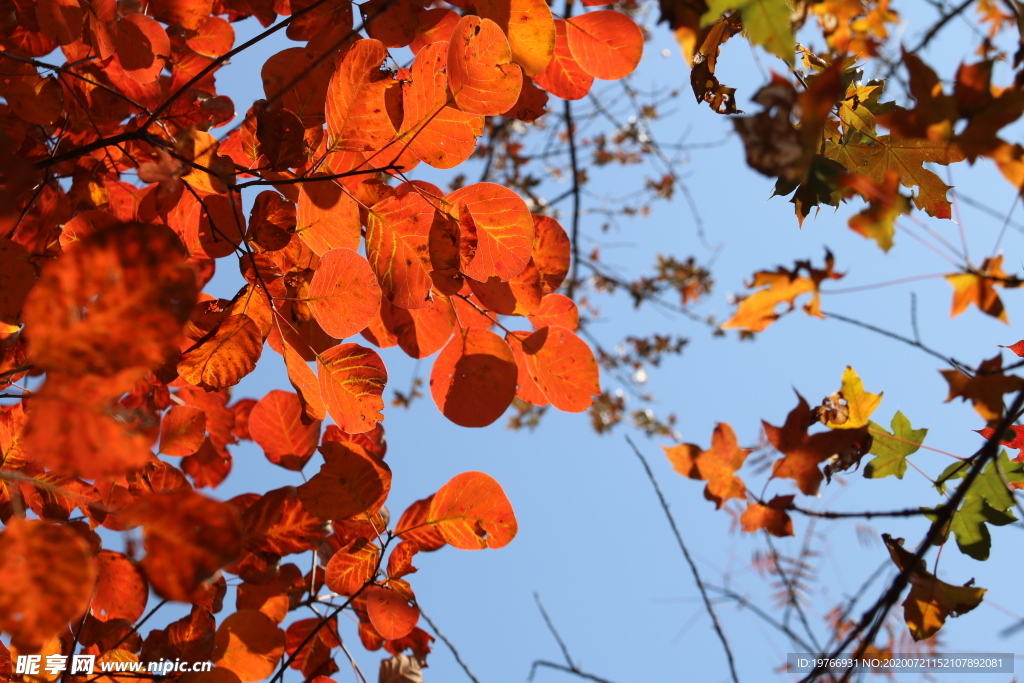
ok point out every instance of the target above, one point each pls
(1013, 438)
(885, 205)
(765, 21)
(851, 406)
(716, 465)
(978, 287)
(805, 452)
(930, 601)
(772, 517)
(985, 390)
(969, 526)
(891, 449)
(757, 311)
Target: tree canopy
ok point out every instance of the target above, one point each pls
(342, 209)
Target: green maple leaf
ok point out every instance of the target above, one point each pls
(989, 485)
(765, 21)
(968, 526)
(893, 448)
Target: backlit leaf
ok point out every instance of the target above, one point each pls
(497, 231)
(343, 295)
(472, 512)
(481, 74)
(979, 288)
(46, 579)
(279, 523)
(121, 589)
(892, 449)
(605, 43)
(563, 76)
(397, 247)
(563, 367)
(717, 465)
(352, 380)
(276, 424)
(225, 356)
(326, 217)
(182, 431)
(351, 568)
(985, 390)
(473, 381)
(413, 526)
(357, 117)
(772, 517)
(392, 611)
(765, 21)
(349, 483)
(529, 27)
(249, 644)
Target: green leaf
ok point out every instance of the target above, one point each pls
(990, 485)
(893, 448)
(765, 21)
(968, 525)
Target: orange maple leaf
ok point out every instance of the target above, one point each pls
(985, 390)
(978, 287)
(717, 465)
(757, 311)
(804, 452)
(772, 517)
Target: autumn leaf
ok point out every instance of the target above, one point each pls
(121, 589)
(392, 610)
(978, 287)
(930, 601)
(772, 517)
(351, 568)
(350, 482)
(182, 431)
(471, 512)
(985, 389)
(224, 356)
(249, 644)
(46, 579)
(605, 43)
(481, 75)
(277, 425)
(352, 380)
(804, 452)
(563, 76)
(765, 21)
(757, 311)
(891, 449)
(279, 523)
(562, 367)
(474, 378)
(496, 230)
(851, 406)
(717, 465)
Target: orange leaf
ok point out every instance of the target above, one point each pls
(985, 390)
(221, 225)
(225, 356)
(276, 424)
(930, 601)
(188, 538)
(304, 380)
(213, 38)
(606, 44)
(117, 300)
(529, 27)
(17, 276)
(349, 483)
(519, 296)
(46, 579)
(420, 332)
(563, 367)
(757, 311)
(397, 246)
(400, 559)
(717, 465)
(979, 288)
(392, 611)
(351, 568)
(278, 523)
(438, 134)
(60, 20)
(472, 512)
(182, 431)
(563, 76)
(804, 452)
(142, 47)
(497, 231)
(481, 74)
(201, 148)
(435, 25)
(526, 389)
(343, 295)
(772, 517)
(326, 217)
(357, 117)
(413, 526)
(121, 589)
(556, 309)
(352, 380)
(473, 381)
(248, 643)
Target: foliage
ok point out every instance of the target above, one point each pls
(119, 203)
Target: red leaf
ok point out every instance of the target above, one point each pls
(472, 512)
(182, 431)
(481, 74)
(397, 247)
(350, 569)
(276, 424)
(142, 47)
(563, 76)
(352, 380)
(556, 309)
(413, 526)
(563, 367)
(357, 117)
(392, 612)
(349, 483)
(474, 379)
(607, 44)
(121, 589)
(213, 38)
(496, 228)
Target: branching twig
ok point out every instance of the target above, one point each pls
(689, 560)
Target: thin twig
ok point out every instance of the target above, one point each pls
(444, 639)
(563, 667)
(689, 560)
(554, 631)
